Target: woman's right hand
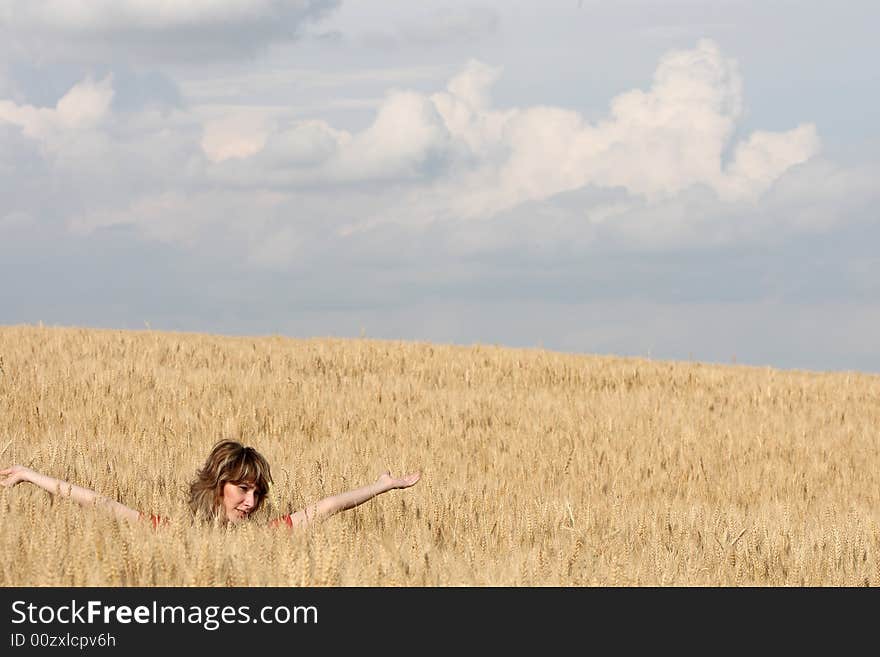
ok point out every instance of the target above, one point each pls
(15, 475)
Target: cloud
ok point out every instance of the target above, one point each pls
(445, 26)
(654, 144)
(103, 16)
(660, 170)
(199, 29)
(812, 198)
(187, 218)
(451, 25)
(407, 140)
(16, 220)
(84, 106)
(765, 156)
(303, 146)
(6, 87)
(233, 136)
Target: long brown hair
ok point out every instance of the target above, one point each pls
(228, 462)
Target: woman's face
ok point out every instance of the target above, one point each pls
(238, 500)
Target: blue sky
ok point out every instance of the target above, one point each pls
(678, 180)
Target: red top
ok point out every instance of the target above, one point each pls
(155, 520)
(287, 520)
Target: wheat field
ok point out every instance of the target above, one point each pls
(539, 468)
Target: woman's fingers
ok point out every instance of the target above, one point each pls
(410, 479)
(12, 476)
(401, 482)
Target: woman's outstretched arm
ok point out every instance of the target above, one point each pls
(18, 473)
(342, 501)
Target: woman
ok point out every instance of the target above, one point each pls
(230, 487)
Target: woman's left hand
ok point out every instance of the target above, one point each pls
(386, 480)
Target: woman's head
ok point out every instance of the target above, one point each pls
(232, 484)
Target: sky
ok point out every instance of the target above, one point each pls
(689, 180)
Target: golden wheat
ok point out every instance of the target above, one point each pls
(539, 468)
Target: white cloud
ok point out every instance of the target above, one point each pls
(658, 142)
(82, 107)
(407, 136)
(765, 156)
(654, 144)
(305, 144)
(447, 157)
(86, 103)
(465, 108)
(234, 136)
